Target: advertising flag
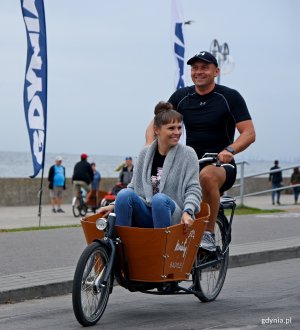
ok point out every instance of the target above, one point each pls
(179, 50)
(177, 26)
(35, 86)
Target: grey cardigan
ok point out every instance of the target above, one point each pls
(179, 180)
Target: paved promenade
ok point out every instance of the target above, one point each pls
(41, 263)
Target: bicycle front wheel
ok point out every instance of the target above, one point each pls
(89, 301)
(209, 281)
(76, 207)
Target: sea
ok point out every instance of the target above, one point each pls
(19, 164)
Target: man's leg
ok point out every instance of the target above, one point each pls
(212, 179)
(273, 194)
(297, 194)
(52, 200)
(277, 192)
(59, 199)
(88, 189)
(76, 189)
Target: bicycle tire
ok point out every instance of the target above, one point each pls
(208, 282)
(83, 210)
(89, 304)
(76, 207)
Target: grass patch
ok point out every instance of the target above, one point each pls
(244, 210)
(37, 228)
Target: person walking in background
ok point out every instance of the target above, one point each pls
(96, 179)
(83, 176)
(295, 179)
(276, 180)
(57, 183)
(126, 173)
(95, 187)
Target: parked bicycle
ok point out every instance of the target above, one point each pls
(154, 261)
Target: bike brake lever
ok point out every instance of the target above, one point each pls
(218, 163)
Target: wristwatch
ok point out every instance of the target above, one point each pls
(189, 211)
(230, 149)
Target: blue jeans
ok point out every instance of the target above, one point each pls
(296, 193)
(132, 211)
(274, 186)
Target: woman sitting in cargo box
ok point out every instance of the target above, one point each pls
(165, 186)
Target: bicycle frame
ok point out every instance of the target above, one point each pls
(111, 241)
(217, 256)
(227, 203)
(172, 246)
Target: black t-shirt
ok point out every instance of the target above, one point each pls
(156, 171)
(83, 172)
(276, 177)
(210, 119)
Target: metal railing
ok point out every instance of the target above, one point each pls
(241, 184)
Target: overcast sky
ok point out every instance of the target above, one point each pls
(110, 62)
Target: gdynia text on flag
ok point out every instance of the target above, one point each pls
(35, 86)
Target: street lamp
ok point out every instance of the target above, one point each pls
(225, 60)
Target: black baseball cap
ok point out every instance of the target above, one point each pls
(203, 56)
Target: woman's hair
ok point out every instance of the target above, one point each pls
(165, 114)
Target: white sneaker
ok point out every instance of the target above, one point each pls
(208, 241)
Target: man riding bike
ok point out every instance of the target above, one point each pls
(211, 113)
(82, 177)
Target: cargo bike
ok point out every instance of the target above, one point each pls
(161, 261)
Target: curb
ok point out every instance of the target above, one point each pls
(36, 292)
(262, 257)
(62, 287)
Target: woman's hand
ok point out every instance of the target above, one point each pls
(106, 210)
(187, 220)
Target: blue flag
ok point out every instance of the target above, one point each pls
(179, 49)
(35, 86)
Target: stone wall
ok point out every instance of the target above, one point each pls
(255, 185)
(24, 191)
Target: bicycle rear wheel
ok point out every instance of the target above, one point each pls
(89, 301)
(83, 209)
(76, 207)
(209, 281)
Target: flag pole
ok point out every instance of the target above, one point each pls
(40, 195)
(35, 86)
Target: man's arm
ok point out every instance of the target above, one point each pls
(246, 137)
(51, 173)
(150, 135)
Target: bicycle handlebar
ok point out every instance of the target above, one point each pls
(210, 158)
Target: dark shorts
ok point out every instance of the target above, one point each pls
(230, 175)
